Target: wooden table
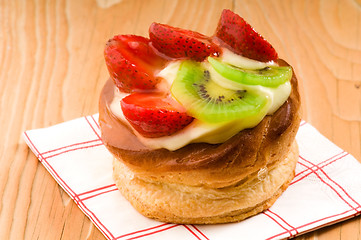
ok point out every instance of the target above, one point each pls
(52, 70)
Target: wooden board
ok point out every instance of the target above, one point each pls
(52, 70)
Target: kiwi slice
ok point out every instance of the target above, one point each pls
(209, 102)
(269, 76)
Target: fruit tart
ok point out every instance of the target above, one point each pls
(202, 128)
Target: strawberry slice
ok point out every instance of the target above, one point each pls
(242, 39)
(179, 43)
(153, 114)
(131, 62)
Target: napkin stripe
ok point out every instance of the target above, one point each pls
(346, 213)
(151, 233)
(95, 121)
(278, 223)
(162, 228)
(327, 162)
(86, 198)
(196, 232)
(337, 155)
(97, 126)
(337, 216)
(333, 182)
(190, 230)
(339, 186)
(337, 220)
(287, 227)
(69, 146)
(95, 219)
(143, 230)
(319, 167)
(148, 231)
(74, 149)
(98, 191)
(67, 189)
(200, 232)
(322, 180)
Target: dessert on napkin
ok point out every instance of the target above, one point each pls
(202, 129)
(325, 189)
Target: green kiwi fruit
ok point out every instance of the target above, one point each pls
(209, 102)
(269, 76)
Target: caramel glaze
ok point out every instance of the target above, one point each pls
(203, 164)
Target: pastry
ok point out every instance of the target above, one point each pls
(202, 129)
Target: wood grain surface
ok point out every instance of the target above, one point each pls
(52, 70)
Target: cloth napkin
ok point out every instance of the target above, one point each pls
(326, 188)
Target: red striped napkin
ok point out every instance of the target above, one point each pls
(326, 188)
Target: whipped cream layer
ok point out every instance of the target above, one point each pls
(198, 131)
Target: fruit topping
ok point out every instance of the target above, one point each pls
(154, 114)
(269, 76)
(132, 62)
(212, 79)
(179, 43)
(241, 38)
(207, 101)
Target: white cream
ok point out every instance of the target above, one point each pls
(239, 61)
(198, 131)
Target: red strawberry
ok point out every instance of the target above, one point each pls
(153, 114)
(241, 38)
(179, 43)
(131, 62)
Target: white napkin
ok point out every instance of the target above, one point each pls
(326, 189)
